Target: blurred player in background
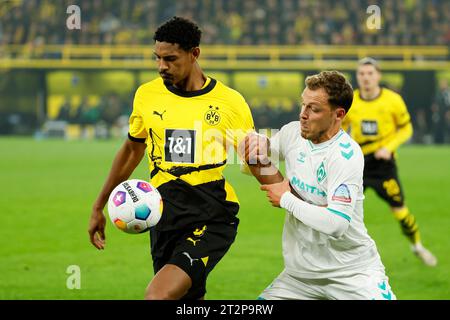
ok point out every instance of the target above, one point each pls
(379, 121)
(327, 251)
(185, 120)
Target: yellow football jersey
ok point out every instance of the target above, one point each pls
(188, 135)
(381, 122)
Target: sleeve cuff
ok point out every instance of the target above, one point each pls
(285, 199)
(141, 140)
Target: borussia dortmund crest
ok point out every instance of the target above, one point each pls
(212, 116)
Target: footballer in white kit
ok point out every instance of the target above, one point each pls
(327, 251)
(331, 243)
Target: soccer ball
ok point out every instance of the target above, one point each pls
(134, 206)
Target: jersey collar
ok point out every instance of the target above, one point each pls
(375, 98)
(190, 94)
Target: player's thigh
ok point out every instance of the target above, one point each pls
(169, 283)
(386, 184)
(286, 287)
(199, 250)
(367, 285)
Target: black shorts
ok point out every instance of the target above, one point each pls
(382, 176)
(196, 250)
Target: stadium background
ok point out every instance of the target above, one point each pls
(65, 96)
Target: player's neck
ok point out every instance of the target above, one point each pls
(370, 94)
(328, 135)
(194, 81)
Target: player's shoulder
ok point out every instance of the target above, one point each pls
(388, 93)
(347, 150)
(393, 101)
(291, 128)
(357, 101)
(227, 92)
(356, 95)
(155, 85)
(289, 132)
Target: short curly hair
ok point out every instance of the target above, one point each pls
(339, 90)
(181, 31)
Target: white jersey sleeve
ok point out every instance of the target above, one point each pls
(345, 179)
(282, 139)
(275, 153)
(318, 218)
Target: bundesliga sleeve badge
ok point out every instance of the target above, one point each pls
(342, 194)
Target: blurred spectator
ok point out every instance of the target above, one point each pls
(421, 133)
(441, 113)
(111, 109)
(64, 111)
(35, 23)
(92, 115)
(418, 22)
(80, 110)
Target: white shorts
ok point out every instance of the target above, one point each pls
(365, 285)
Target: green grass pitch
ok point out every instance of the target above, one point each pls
(48, 188)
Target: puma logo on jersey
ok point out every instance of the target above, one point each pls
(159, 114)
(189, 257)
(192, 240)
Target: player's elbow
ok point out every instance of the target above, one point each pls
(405, 133)
(409, 131)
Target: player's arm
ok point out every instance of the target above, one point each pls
(255, 149)
(126, 160)
(259, 154)
(344, 181)
(244, 127)
(403, 134)
(322, 219)
(266, 174)
(404, 127)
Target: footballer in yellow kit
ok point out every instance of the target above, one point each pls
(185, 122)
(187, 136)
(380, 122)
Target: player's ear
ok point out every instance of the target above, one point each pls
(195, 53)
(340, 113)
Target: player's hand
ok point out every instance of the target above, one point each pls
(275, 191)
(96, 230)
(255, 148)
(383, 154)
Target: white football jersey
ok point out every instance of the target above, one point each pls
(329, 174)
